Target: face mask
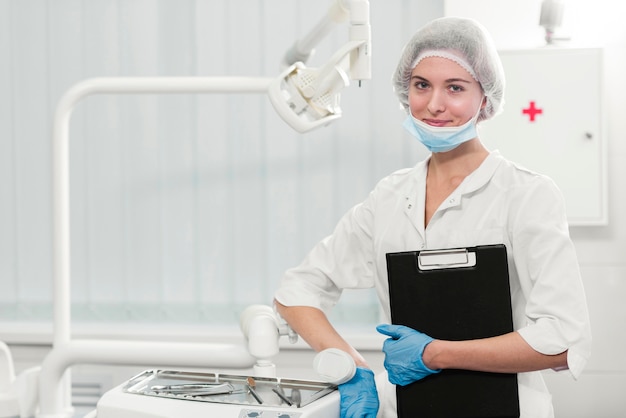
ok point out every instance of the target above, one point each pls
(441, 138)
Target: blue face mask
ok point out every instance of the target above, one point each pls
(441, 138)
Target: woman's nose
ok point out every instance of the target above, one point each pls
(436, 104)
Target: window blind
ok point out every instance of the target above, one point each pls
(184, 208)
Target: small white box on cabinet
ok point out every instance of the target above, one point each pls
(553, 124)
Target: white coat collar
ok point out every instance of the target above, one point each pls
(415, 193)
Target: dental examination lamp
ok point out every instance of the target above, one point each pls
(307, 98)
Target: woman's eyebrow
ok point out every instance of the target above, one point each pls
(449, 80)
(420, 78)
(457, 80)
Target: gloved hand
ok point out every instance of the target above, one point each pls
(403, 354)
(359, 397)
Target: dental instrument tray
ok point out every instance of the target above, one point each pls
(171, 393)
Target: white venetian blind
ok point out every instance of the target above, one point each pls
(184, 208)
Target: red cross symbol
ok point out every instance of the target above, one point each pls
(532, 111)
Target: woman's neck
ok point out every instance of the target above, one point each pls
(446, 171)
(457, 163)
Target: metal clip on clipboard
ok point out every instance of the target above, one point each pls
(446, 259)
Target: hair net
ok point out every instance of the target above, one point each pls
(464, 39)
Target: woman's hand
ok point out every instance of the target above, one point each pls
(403, 354)
(359, 397)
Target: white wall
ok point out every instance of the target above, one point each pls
(48, 46)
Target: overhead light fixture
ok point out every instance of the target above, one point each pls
(551, 18)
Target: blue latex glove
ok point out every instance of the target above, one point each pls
(359, 397)
(403, 354)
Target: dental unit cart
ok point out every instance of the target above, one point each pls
(168, 393)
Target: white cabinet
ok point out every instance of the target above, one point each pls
(553, 124)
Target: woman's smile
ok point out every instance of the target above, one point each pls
(436, 122)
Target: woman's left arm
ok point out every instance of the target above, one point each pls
(508, 353)
(556, 320)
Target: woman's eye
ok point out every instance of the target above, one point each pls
(421, 85)
(455, 88)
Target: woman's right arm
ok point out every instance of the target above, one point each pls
(313, 326)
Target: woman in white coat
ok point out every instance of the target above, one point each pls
(450, 78)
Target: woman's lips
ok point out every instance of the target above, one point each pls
(436, 122)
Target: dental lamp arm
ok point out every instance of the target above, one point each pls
(303, 48)
(360, 31)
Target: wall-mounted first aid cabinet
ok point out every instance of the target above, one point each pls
(552, 123)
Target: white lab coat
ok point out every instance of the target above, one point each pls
(500, 202)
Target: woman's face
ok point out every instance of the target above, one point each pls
(442, 93)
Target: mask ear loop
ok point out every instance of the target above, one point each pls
(483, 105)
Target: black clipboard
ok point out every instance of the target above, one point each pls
(454, 294)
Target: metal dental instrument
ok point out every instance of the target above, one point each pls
(251, 385)
(279, 391)
(195, 389)
(317, 395)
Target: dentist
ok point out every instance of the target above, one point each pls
(450, 79)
